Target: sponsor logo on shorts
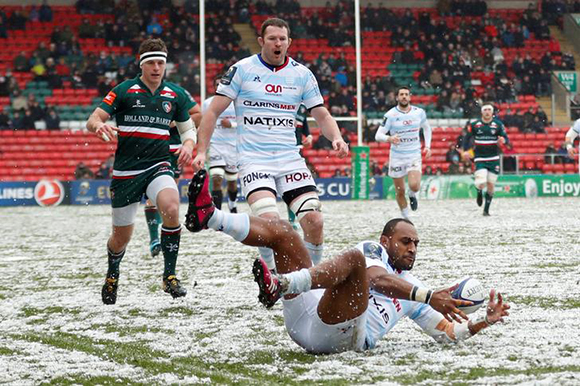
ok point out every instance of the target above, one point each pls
(299, 176)
(396, 168)
(255, 176)
(48, 193)
(269, 121)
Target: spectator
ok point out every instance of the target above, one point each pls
(428, 171)
(509, 160)
(52, 120)
(103, 173)
(45, 12)
(83, 172)
(322, 143)
(550, 154)
(537, 125)
(21, 62)
(452, 156)
(5, 122)
(19, 102)
(28, 120)
(17, 123)
(563, 157)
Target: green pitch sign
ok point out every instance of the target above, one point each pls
(569, 79)
(360, 172)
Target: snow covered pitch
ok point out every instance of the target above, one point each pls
(53, 326)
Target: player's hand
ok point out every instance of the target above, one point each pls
(501, 140)
(185, 154)
(465, 156)
(307, 142)
(571, 152)
(106, 132)
(198, 162)
(226, 123)
(427, 152)
(442, 302)
(394, 139)
(341, 147)
(496, 310)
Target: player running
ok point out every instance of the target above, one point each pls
(144, 107)
(152, 215)
(267, 90)
(223, 157)
(487, 133)
(351, 301)
(401, 128)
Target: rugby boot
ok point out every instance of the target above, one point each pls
(155, 248)
(268, 283)
(173, 287)
(109, 291)
(486, 213)
(479, 197)
(413, 203)
(234, 209)
(201, 206)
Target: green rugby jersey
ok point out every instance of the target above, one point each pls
(485, 137)
(143, 120)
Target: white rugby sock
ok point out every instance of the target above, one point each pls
(412, 193)
(315, 252)
(298, 281)
(405, 212)
(268, 255)
(236, 225)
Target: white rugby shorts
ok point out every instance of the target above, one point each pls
(279, 178)
(400, 167)
(308, 331)
(223, 156)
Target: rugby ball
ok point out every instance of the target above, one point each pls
(472, 290)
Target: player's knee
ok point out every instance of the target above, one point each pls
(170, 212)
(414, 186)
(306, 204)
(312, 222)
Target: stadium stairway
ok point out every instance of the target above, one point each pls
(249, 37)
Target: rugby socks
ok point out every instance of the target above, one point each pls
(291, 216)
(236, 225)
(232, 202)
(488, 198)
(295, 282)
(217, 197)
(170, 238)
(114, 263)
(268, 255)
(153, 221)
(315, 252)
(405, 212)
(412, 193)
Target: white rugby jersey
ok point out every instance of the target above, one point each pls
(266, 100)
(576, 126)
(222, 135)
(407, 126)
(384, 312)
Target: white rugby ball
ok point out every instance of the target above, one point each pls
(472, 290)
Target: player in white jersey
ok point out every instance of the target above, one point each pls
(348, 302)
(401, 127)
(571, 136)
(267, 90)
(223, 157)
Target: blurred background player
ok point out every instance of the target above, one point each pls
(401, 127)
(571, 136)
(267, 90)
(351, 301)
(151, 213)
(303, 141)
(223, 156)
(486, 132)
(144, 108)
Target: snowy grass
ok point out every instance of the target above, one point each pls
(55, 330)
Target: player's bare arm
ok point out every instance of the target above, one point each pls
(390, 285)
(330, 130)
(97, 123)
(206, 127)
(570, 137)
(195, 114)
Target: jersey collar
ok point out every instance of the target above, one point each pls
(274, 68)
(404, 112)
(144, 86)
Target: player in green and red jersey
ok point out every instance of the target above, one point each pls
(144, 108)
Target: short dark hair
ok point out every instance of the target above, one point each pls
(390, 226)
(274, 22)
(152, 45)
(403, 88)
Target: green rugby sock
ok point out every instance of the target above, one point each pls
(170, 238)
(114, 263)
(153, 221)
